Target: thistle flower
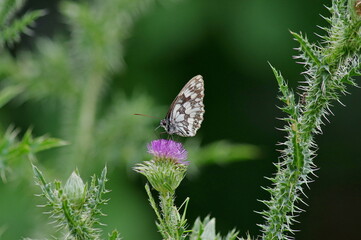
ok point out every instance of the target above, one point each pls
(167, 169)
(168, 149)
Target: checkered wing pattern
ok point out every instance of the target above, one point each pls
(185, 114)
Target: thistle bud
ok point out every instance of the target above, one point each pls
(74, 189)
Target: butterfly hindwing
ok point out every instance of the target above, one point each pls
(185, 114)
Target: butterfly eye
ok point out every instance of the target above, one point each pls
(163, 123)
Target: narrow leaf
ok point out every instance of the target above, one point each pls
(307, 48)
(9, 93)
(12, 32)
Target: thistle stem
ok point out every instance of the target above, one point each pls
(86, 119)
(328, 68)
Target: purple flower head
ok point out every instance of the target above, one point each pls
(168, 149)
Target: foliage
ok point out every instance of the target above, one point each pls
(329, 66)
(206, 230)
(171, 223)
(84, 69)
(70, 81)
(76, 75)
(221, 152)
(73, 77)
(10, 28)
(75, 207)
(9, 93)
(12, 151)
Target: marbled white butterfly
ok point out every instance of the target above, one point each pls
(185, 114)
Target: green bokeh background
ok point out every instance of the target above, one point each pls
(229, 43)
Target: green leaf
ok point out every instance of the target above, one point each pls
(308, 49)
(11, 33)
(209, 231)
(196, 230)
(9, 93)
(8, 8)
(77, 218)
(12, 150)
(43, 143)
(44, 186)
(221, 152)
(114, 235)
(206, 230)
(101, 183)
(232, 235)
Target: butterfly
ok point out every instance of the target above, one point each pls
(185, 114)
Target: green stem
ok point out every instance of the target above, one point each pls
(169, 220)
(324, 86)
(86, 121)
(73, 226)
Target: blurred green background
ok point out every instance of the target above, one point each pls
(229, 43)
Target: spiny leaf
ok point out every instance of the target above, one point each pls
(45, 187)
(11, 33)
(114, 235)
(307, 49)
(8, 8)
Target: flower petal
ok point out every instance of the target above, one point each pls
(168, 149)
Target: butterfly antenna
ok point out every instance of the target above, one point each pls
(138, 114)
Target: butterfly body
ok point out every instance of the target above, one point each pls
(185, 114)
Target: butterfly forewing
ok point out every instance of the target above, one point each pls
(185, 114)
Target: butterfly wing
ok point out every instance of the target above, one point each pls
(185, 114)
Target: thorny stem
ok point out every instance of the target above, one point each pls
(323, 86)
